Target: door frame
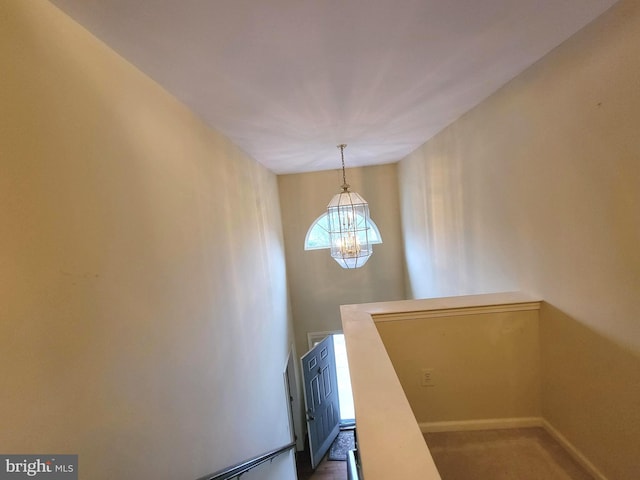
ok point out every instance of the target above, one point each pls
(318, 336)
(292, 386)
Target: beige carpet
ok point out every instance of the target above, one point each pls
(514, 454)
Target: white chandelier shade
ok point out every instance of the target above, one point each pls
(348, 219)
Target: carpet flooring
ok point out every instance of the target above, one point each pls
(513, 454)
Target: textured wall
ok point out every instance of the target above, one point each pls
(143, 320)
(537, 189)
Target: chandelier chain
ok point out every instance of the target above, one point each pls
(345, 185)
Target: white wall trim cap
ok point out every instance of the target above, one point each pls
(451, 312)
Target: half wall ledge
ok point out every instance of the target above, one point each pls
(390, 441)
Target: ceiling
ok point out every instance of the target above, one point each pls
(288, 80)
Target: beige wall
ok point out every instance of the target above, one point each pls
(143, 319)
(317, 284)
(537, 189)
(484, 366)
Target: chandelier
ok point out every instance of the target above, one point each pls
(348, 215)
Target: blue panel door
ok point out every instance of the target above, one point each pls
(321, 398)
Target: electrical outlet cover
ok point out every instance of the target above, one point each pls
(427, 379)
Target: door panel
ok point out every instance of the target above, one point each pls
(321, 398)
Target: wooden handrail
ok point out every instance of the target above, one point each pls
(243, 467)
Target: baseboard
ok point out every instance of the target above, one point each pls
(573, 451)
(519, 422)
(484, 424)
